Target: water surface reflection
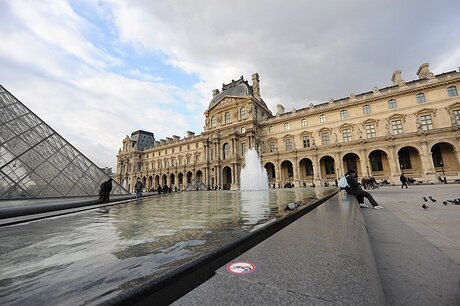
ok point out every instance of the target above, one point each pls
(89, 257)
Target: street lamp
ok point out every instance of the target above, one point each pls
(442, 169)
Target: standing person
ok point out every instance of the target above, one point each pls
(105, 190)
(159, 189)
(138, 187)
(354, 189)
(403, 180)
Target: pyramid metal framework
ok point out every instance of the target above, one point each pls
(36, 162)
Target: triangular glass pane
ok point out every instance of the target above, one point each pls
(76, 191)
(5, 183)
(15, 192)
(49, 192)
(6, 115)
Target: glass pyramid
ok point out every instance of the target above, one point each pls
(36, 162)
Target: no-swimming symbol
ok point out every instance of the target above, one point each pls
(241, 267)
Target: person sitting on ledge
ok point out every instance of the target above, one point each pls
(354, 188)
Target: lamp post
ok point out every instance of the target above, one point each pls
(402, 169)
(442, 169)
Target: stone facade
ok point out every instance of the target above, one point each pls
(409, 127)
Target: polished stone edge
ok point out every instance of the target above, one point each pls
(176, 283)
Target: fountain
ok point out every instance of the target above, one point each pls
(253, 176)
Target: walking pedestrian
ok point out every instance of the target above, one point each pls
(104, 191)
(403, 180)
(138, 187)
(355, 189)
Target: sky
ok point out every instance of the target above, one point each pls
(96, 71)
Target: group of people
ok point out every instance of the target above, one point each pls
(369, 182)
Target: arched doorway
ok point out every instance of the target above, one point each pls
(226, 178)
(164, 179)
(410, 162)
(172, 179)
(327, 166)
(157, 181)
(189, 177)
(287, 173)
(445, 160)
(379, 165)
(180, 178)
(270, 167)
(306, 171)
(149, 183)
(351, 161)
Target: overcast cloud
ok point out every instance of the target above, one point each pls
(97, 71)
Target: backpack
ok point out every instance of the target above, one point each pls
(343, 183)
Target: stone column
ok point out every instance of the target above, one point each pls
(316, 171)
(429, 173)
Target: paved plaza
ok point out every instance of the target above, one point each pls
(439, 224)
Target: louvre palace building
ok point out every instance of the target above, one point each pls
(408, 127)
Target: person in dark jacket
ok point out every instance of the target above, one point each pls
(138, 187)
(105, 190)
(354, 188)
(403, 180)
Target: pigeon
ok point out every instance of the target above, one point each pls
(424, 206)
(454, 202)
(424, 199)
(444, 202)
(432, 200)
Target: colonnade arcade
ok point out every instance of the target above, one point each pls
(422, 161)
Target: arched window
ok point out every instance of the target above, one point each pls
(242, 113)
(303, 122)
(322, 118)
(287, 126)
(227, 118)
(226, 151)
(213, 122)
(420, 97)
(366, 109)
(392, 103)
(243, 130)
(343, 114)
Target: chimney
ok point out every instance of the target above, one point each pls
(423, 71)
(396, 78)
(255, 86)
(190, 134)
(176, 138)
(215, 92)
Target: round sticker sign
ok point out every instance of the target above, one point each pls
(241, 267)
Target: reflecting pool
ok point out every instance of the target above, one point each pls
(90, 257)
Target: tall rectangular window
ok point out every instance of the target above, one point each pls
(287, 126)
(370, 131)
(325, 138)
(243, 148)
(306, 141)
(303, 122)
(288, 143)
(366, 109)
(456, 116)
(346, 133)
(343, 114)
(396, 127)
(272, 146)
(426, 122)
(391, 103)
(452, 91)
(322, 118)
(242, 113)
(271, 130)
(420, 98)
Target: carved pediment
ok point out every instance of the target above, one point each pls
(397, 116)
(426, 111)
(306, 133)
(346, 126)
(370, 121)
(288, 136)
(453, 106)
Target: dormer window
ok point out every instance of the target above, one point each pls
(287, 126)
(303, 122)
(420, 98)
(391, 103)
(452, 91)
(366, 109)
(343, 114)
(322, 118)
